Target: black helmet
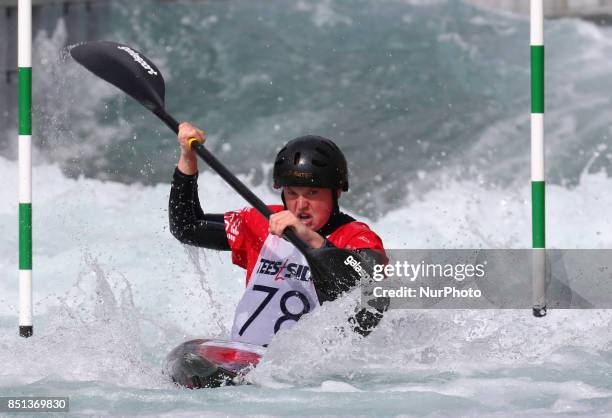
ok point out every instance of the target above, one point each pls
(311, 161)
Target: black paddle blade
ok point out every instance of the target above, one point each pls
(124, 68)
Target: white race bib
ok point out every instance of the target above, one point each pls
(279, 293)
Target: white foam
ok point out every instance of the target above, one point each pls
(114, 291)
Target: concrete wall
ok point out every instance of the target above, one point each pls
(552, 8)
(83, 19)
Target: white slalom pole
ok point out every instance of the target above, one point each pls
(24, 62)
(537, 158)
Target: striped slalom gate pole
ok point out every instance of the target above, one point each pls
(537, 158)
(24, 62)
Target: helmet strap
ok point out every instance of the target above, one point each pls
(283, 199)
(336, 206)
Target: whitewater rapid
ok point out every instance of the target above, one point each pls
(429, 100)
(114, 292)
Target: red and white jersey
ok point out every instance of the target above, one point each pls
(279, 290)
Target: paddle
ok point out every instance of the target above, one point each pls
(136, 75)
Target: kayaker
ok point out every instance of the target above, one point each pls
(311, 172)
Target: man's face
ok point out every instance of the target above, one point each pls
(312, 205)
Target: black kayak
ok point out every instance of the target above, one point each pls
(207, 363)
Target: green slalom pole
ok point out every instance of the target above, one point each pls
(24, 62)
(537, 158)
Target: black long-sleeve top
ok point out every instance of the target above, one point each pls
(188, 223)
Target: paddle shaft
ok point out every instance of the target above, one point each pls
(236, 184)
